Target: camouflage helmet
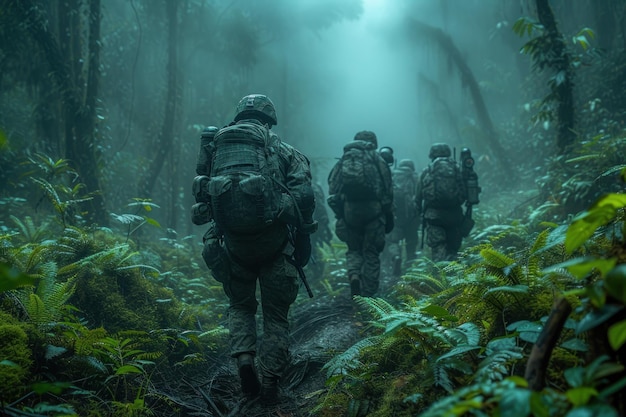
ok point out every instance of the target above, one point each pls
(407, 163)
(439, 150)
(256, 106)
(367, 136)
(387, 154)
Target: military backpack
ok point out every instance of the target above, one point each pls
(359, 173)
(244, 186)
(442, 184)
(404, 189)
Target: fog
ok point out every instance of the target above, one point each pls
(367, 74)
(332, 68)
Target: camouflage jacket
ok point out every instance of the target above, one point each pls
(336, 199)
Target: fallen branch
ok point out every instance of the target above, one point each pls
(542, 350)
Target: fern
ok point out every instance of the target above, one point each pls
(500, 354)
(349, 360)
(45, 302)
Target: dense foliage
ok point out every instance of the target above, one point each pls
(106, 308)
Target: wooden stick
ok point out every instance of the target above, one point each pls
(542, 350)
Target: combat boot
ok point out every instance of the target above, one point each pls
(355, 285)
(247, 374)
(269, 390)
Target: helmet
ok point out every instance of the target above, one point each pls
(367, 136)
(407, 163)
(438, 150)
(387, 154)
(256, 106)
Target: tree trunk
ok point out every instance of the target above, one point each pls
(539, 357)
(164, 142)
(79, 116)
(563, 85)
(467, 77)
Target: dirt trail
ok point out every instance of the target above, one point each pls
(321, 327)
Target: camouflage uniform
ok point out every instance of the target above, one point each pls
(407, 214)
(363, 225)
(443, 233)
(239, 260)
(323, 235)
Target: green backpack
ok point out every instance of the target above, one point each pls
(360, 175)
(442, 184)
(244, 185)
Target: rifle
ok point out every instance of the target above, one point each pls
(471, 182)
(294, 261)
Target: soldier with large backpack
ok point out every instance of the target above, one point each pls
(405, 184)
(361, 196)
(441, 194)
(256, 192)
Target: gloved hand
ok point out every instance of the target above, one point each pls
(302, 250)
(287, 213)
(389, 223)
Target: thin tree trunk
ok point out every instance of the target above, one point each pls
(540, 354)
(468, 79)
(563, 84)
(164, 142)
(79, 116)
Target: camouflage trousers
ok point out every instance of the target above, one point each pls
(443, 234)
(278, 282)
(407, 232)
(365, 244)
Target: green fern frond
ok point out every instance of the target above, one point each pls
(465, 334)
(496, 259)
(540, 241)
(52, 194)
(45, 302)
(442, 379)
(500, 354)
(377, 306)
(349, 360)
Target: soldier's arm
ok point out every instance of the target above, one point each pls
(297, 173)
(387, 201)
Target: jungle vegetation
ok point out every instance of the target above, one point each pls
(106, 308)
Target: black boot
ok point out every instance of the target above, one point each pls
(269, 391)
(355, 285)
(250, 385)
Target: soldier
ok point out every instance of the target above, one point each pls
(323, 235)
(361, 197)
(441, 193)
(407, 220)
(261, 202)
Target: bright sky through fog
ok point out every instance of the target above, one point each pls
(375, 80)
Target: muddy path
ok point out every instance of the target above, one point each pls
(321, 328)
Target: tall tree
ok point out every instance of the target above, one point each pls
(163, 144)
(562, 83)
(444, 41)
(74, 68)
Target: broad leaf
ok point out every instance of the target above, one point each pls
(615, 283)
(597, 317)
(617, 335)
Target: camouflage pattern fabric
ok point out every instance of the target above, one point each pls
(443, 233)
(407, 232)
(323, 234)
(361, 224)
(263, 256)
(365, 240)
(278, 282)
(406, 213)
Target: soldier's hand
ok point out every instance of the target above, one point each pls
(389, 223)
